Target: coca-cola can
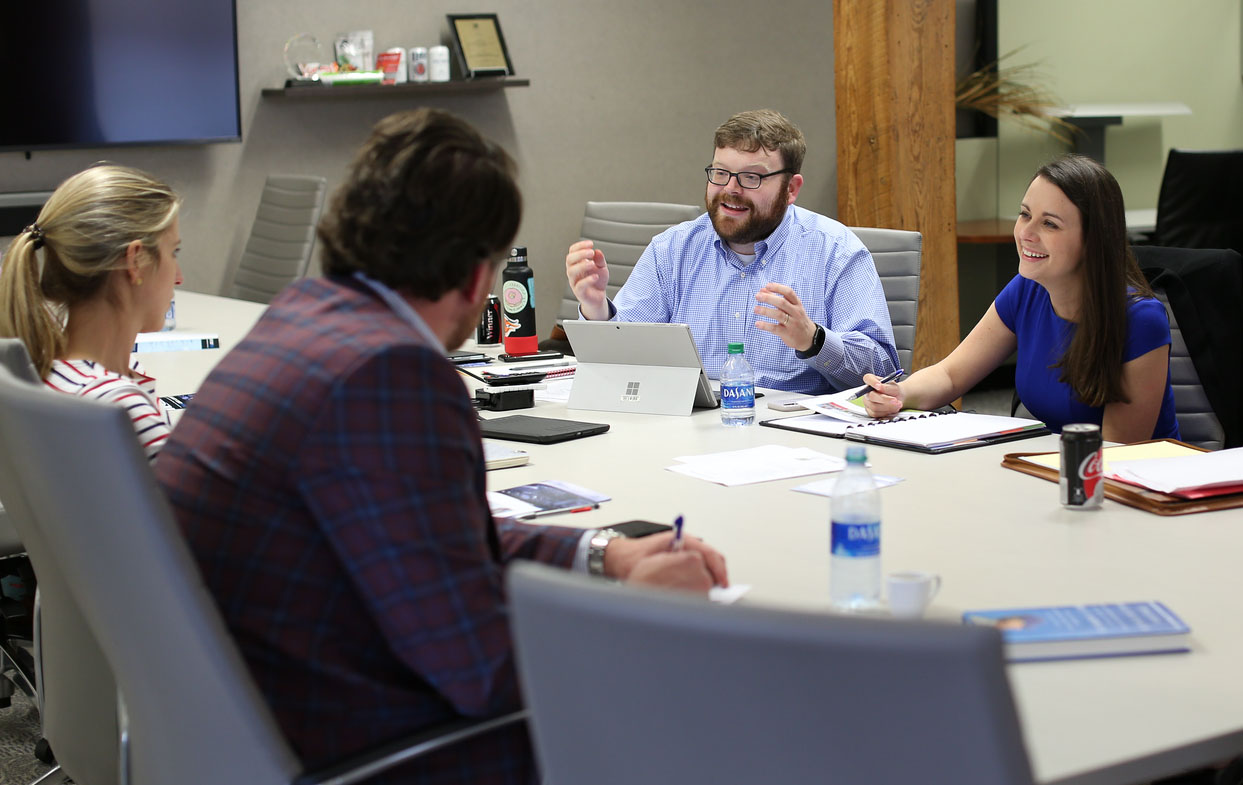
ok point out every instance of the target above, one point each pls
(489, 331)
(1081, 484)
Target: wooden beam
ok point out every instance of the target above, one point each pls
(894, 77)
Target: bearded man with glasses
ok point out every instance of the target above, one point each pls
(823, 321)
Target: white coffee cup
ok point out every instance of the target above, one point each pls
(910, 592)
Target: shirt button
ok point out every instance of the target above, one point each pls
(737, 315)
(742, 275)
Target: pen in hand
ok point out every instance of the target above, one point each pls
(676, 544)
(867, 388)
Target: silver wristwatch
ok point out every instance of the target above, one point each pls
(595, 550)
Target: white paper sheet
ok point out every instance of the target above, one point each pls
(756, 464)
(1203, 470)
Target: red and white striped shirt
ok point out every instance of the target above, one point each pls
(135, 394)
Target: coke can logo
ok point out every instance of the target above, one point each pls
(1090, 471)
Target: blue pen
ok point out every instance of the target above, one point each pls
(677, 534)
(865, 389)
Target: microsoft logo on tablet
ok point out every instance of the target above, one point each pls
(632, 392)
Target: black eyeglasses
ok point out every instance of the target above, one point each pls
(749, 180)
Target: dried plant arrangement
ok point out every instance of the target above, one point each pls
(1013, 93)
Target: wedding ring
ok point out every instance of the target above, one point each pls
(787, 320)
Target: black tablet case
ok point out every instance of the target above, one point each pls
(538, 430)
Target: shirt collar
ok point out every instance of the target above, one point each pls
(403, 309)
(763, 248)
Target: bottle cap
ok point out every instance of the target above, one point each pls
(856, 454)
(518, 254)
(735, 348)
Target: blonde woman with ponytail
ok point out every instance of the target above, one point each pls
(96, 268)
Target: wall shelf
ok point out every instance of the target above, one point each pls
(408, 90)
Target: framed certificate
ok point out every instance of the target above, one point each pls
(480, 45)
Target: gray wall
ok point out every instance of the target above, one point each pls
(622, 104)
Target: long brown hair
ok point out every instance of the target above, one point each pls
(1092, 363)
(83, 231)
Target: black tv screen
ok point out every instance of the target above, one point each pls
(97, 73)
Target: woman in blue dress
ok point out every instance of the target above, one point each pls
(1093, 344)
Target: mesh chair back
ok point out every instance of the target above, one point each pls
(897, 255)
(736, 695)
(1201, 200)
(1197, 422)
(622, 230)
(194, 714)
(1202, 290)
(282, 237)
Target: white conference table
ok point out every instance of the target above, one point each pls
(998, 538)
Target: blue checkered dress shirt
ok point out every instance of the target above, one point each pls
(689, 275)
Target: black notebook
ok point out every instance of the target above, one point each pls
(539, 430)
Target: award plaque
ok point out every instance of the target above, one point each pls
(480, 45)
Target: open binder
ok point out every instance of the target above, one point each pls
(928, 432)
(1132, 495)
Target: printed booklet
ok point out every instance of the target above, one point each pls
(1083, 631)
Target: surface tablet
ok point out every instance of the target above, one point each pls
(627, 366)
(538, 430)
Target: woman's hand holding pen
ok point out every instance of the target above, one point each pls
(885, 400)
(648, 560)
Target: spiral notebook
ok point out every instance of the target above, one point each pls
(930, 432)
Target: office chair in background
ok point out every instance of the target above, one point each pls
(1200, 204)
(1203, 293)
(16, 633)
(735, 695)
(897, 255)
(282, 238)
(188, 711)
(75, 689)
(622, 230)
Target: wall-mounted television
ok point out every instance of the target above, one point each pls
(98, 73)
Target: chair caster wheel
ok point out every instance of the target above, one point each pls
(43, 751)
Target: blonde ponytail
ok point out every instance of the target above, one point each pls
(24, 312)
(83, 232)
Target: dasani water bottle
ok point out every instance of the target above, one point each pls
(854, 550)
(737, 389)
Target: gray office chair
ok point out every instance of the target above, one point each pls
(1197, 422)
(1202, 290)
(282, 238)
(188, 711)
(736, 695)
(74, 687)
(13, 355)
(15, 663)
(622, 230)
(897, 254)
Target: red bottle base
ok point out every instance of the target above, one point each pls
(528, 344)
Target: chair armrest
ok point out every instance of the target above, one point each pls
(385, 756)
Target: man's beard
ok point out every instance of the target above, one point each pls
(755, 227)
